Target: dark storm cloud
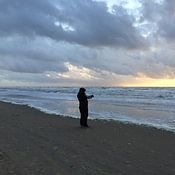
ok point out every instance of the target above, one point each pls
(167, 23)
(39, 36)
(22, 55)
(151, 10)
(163, 14)
(84, 22)
(33, 32)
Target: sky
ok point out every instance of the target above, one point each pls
(87, 43)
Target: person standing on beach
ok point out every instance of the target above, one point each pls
(83, 106)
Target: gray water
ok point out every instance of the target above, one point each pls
(148, 106)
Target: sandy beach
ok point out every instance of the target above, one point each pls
(35, 143)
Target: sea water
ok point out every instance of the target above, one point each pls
(148, 106)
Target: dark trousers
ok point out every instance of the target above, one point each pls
(83, 116)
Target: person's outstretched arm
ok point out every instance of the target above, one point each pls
(90, 96)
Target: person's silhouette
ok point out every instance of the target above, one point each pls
(83, 106)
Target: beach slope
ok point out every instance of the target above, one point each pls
(35, 143)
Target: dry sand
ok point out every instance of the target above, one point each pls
(35, 143)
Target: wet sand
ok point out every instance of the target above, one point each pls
(35, 143)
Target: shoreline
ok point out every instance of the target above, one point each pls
(125, 122)
(33, 142)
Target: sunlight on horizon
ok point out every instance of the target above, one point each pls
(150, 82)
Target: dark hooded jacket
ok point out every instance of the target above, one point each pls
(83, 99)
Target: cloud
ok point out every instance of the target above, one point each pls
(84, 22)
(83, 42)
(167, 23)
(45, 56)
(19, 54)
(160, 13)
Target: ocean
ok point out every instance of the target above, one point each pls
(148, 106)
